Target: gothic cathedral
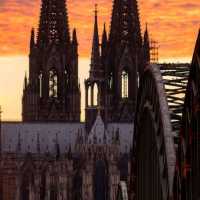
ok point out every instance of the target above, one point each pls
(52, 92)
(114, 74)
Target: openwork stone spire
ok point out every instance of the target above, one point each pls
(146, 46)
(53, 26)
(125, 23)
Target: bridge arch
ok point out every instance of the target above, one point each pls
(153, 146)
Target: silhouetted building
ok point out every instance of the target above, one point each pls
(114, 73)
(52, 92)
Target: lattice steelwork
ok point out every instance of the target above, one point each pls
(175, 78)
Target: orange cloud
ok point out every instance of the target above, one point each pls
(174, 24)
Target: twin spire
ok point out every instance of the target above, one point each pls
(54, 26)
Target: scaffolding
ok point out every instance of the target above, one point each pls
(175, 77)
(154, 52)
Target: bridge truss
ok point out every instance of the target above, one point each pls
(158, 122)
(175, 78)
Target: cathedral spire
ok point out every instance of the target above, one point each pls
(125, 23)
(146, 46)
(104, 36)
(95, 58)
(53, 26)
(25, 81)
(74, 38)
(104, 46)
(146, 35)
(32, 40)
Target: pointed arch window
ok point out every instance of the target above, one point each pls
(53, 83)
(96, 100)
(89, 96)
(40, 84)
(124, 84)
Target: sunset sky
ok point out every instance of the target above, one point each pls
(173, 23)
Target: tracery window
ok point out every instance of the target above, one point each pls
(89, 96)
(53, 83)
(124, 84)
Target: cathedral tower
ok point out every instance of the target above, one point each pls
(52, 91)
(123, 61)
(95, 84)
(123, 57)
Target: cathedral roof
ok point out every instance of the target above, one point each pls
(98, 133)
(101, 134)
(45, 138)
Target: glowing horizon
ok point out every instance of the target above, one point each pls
(173, 24)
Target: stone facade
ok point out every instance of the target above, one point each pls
(42, 165)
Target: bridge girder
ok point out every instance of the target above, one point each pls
(153, 145)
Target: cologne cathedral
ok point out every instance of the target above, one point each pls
(51, 154)
(140, 138)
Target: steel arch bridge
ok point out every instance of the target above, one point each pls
(153, 145)
(166, 145)
(188, 159)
